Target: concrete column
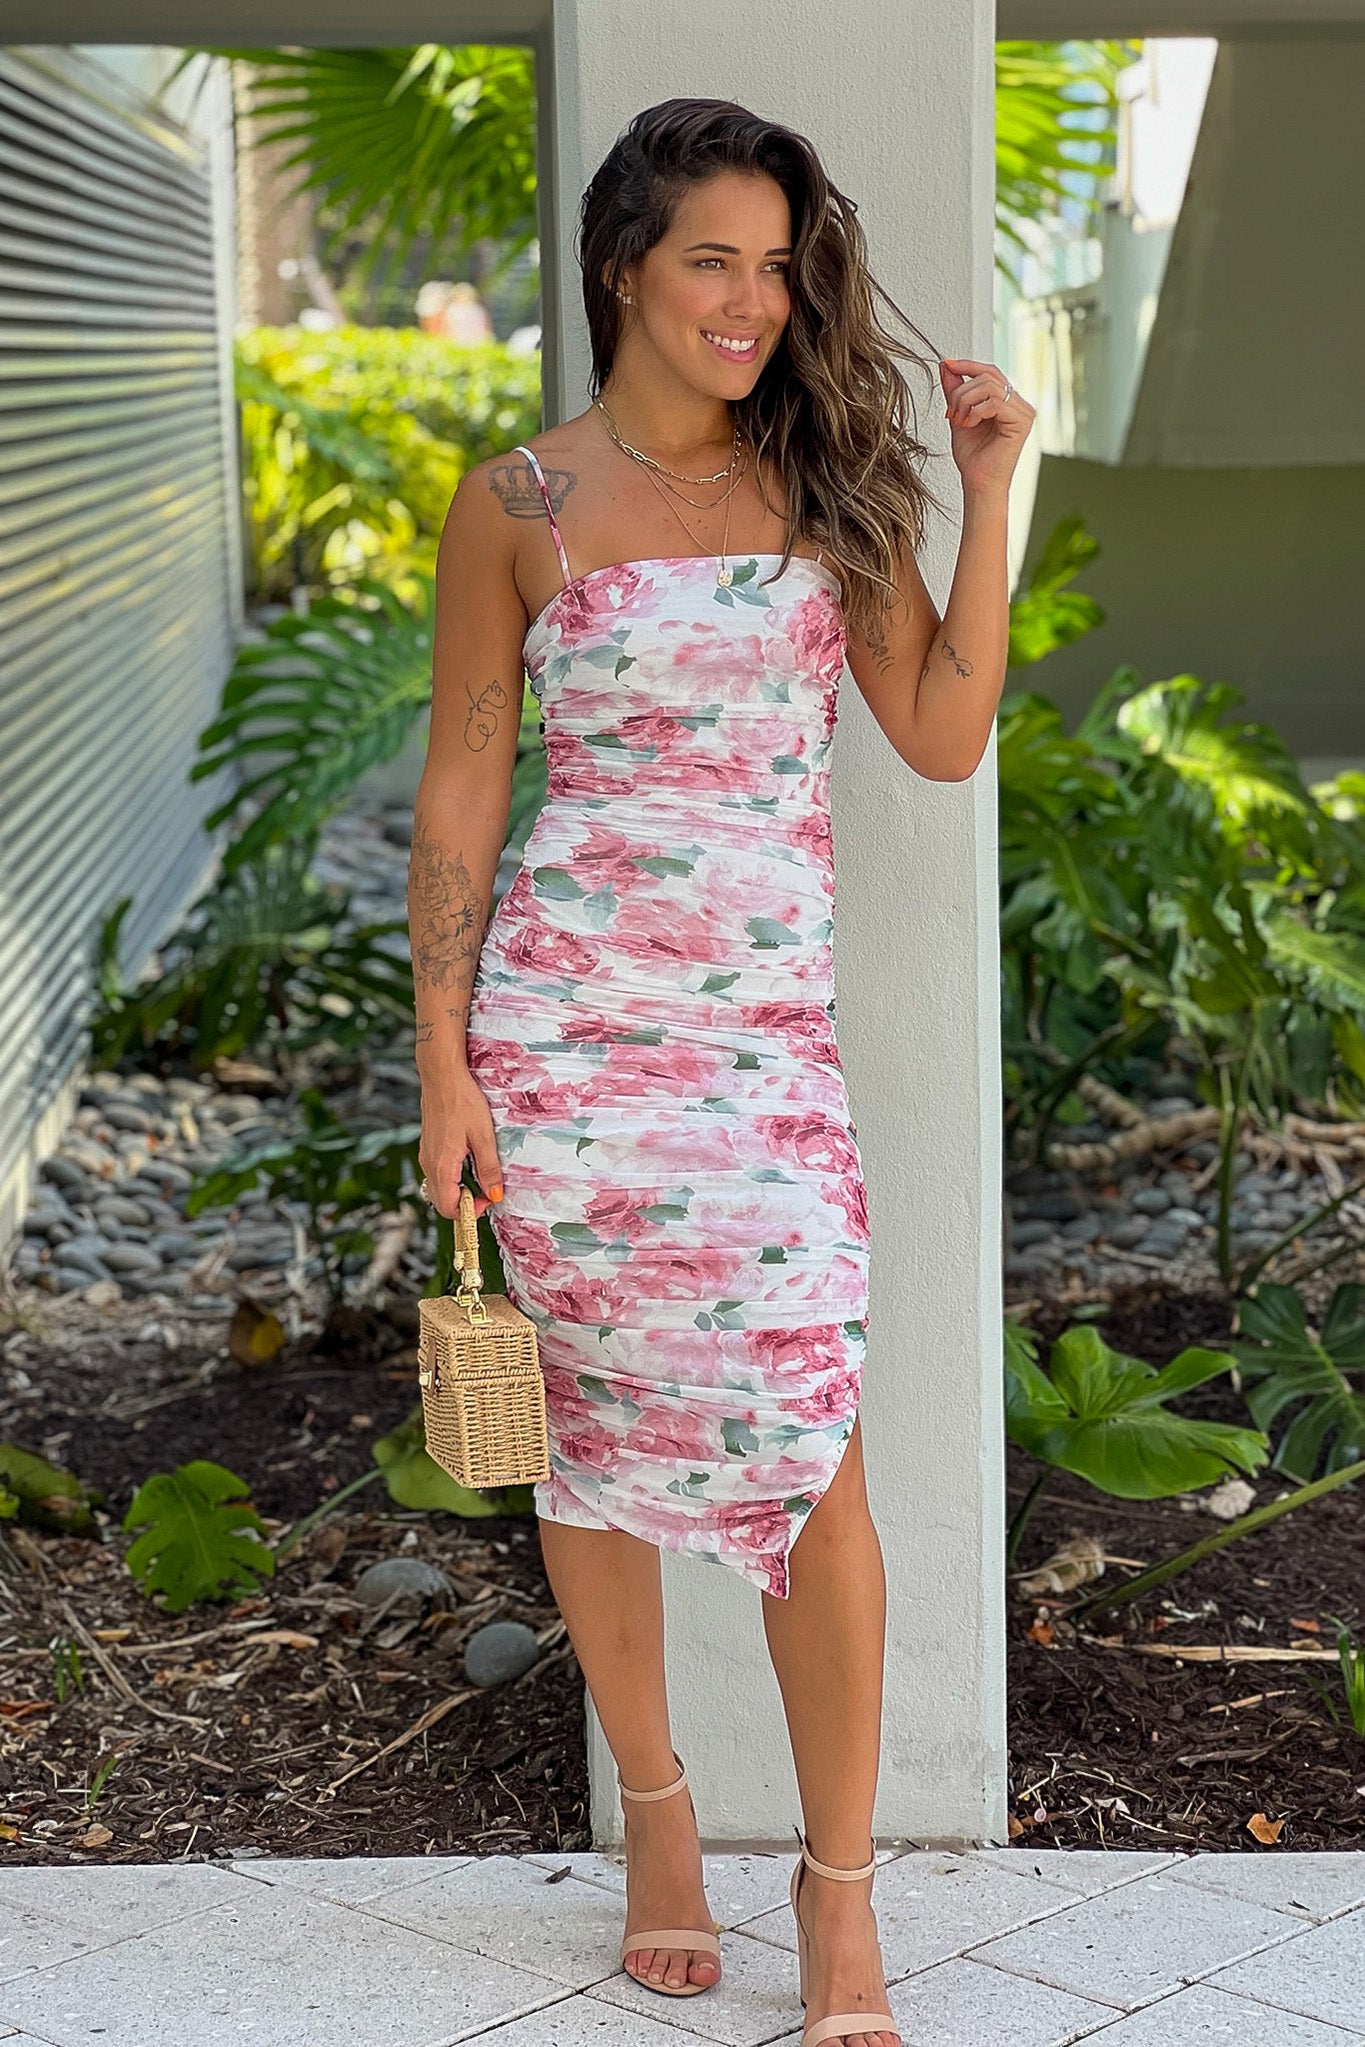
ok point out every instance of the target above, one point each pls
(900, 106)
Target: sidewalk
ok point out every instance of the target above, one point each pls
(994, 1946)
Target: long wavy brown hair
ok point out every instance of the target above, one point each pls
(831, 410)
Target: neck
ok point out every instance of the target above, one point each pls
(680, 427)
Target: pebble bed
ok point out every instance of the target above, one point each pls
(1160, 1213)
(108, 1208)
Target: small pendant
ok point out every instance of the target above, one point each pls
(725, 575)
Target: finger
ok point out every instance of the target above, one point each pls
(487, 1165)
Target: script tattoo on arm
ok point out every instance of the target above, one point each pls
(959, 661)
(446, 924)
(482, 721)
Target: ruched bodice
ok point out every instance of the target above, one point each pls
(653, 1026)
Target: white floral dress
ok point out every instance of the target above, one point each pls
(652, 1024)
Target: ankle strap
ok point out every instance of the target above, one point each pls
(667, 1790)
(829, 1869)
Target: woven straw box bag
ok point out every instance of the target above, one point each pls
(483, 1397)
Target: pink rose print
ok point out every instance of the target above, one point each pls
(652, 1027)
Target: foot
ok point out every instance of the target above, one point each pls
(843, 1958)
(664, 1888)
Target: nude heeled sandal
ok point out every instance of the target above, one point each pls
(838, 2022)
(669, 1936)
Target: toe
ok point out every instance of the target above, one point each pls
(676, 1972)
(704, 1969)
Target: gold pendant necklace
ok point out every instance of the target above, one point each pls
(725, 575)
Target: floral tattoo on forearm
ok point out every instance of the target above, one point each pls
(446, 924)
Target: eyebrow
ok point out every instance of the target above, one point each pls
(728, 248)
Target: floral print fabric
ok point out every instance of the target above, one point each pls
(652, 1024)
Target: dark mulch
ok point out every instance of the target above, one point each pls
(1110, 1747)
(296, 1721)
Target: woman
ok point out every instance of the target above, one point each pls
(638, 1052)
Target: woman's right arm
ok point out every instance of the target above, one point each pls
(459, 824)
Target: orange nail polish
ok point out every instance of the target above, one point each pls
(495, 1194)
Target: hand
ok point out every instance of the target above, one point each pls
(988, 428)
(456, 1126)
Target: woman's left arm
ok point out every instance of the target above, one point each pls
(934, 684)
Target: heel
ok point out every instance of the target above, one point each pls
(836, 2023)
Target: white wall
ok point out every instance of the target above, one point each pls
(902, 113)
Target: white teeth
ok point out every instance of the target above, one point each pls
(735, 347)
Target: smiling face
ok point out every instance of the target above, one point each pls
(713, 297)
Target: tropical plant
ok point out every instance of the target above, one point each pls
(1050, 147)
(1318, 1374)
(354, 441)
(265, 953)
(201, 1539)
(320, 698)
(335, 1171)
(432, 145)
(1107, 1418)
(43, 1495)
(1166, 872)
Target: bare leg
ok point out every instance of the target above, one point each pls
(827, 1643)
(608, 1588)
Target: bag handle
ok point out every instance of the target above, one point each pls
(469, 1291)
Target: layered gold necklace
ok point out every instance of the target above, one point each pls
(656, 472)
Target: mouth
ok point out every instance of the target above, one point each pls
(734, 347)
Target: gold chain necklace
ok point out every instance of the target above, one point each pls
(648, 461)
(725, 575)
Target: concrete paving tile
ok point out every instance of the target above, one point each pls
(739, 1884)
(1215, 2018)
(756, 1999)
(348, 1879)
(28, 1942)
(503, 1907)
(1321, 1974)
(932, 1906)
(274, 1966)
(109, 1904)
(1139, 1942)
(587, 2022)
(1086, 1871)
(1318, 1885)
(963, 2004)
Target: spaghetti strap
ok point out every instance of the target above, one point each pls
(522, 449)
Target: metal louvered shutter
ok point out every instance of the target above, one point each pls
(118, 545)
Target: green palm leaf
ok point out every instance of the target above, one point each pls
(324, 696)
(433, 143)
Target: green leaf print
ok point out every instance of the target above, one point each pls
(626, 661)
(576, 1236)
(665, 1212)
(600, 907)
(773, 1254)
(601, 657)
(662, 864)
(691, 1486)
(740, 1439)
(744, 572)
(770, 931)
(555, 882)
(776, 692)
(747, 1062)
(716, 984)
(603, 739)
(789, 764)
(595, 1389)
(797, 1504)
(767, 1173)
